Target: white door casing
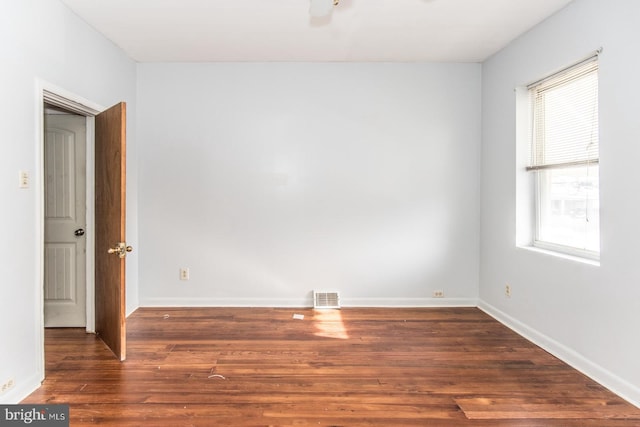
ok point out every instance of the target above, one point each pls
(64, 214)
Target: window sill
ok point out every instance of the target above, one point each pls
(556, 254)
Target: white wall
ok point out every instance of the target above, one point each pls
(589, 315)
(41, 40)
(271, 180)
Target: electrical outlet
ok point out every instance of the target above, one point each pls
(184, 273)
(7, 385)
(438, 294)
(507, 290)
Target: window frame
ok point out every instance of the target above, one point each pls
(538, 170)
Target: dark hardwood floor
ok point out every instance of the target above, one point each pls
(349, 367)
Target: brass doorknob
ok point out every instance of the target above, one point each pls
(120, 249)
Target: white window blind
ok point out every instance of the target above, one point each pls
(565, 118)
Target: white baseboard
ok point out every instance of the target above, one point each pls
(408, 302)
(226, 302)
(307, 302)
(609, 380)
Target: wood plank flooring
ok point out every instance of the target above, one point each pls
(349, 367)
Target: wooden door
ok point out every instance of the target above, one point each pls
(110, 176)
(64, 220)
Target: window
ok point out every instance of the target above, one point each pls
(565, 160)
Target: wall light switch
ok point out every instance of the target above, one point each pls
(23, 179)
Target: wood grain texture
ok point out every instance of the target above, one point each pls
(110, 193)
(349, 367)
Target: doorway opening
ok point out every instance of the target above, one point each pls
(65, 211)
(59, 266)
(61, 111)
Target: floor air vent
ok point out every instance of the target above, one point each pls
(322, 299)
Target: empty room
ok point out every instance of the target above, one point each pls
(320, 212)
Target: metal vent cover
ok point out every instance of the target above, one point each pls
(326, 299)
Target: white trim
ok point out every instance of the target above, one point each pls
(69, 101)
(307, 302)
(226, 302)
(617, 385)
(47, 92)
(409, 302)
(569, 251)
(540, 250)
(91, 226)
(39, 227)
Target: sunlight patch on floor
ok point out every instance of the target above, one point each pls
(329, 324)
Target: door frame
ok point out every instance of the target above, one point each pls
(54, 95)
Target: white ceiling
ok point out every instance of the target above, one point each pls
(282, 30)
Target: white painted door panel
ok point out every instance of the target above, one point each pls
(65, 212)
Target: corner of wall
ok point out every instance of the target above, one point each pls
(599, 374)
